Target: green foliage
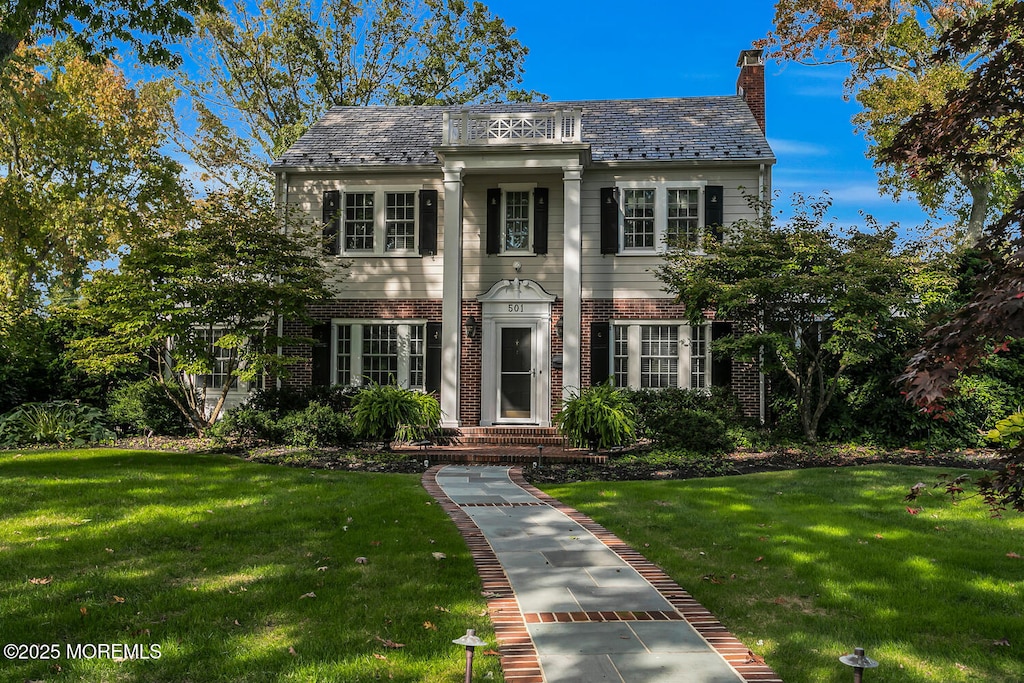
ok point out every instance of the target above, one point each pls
(316, 426)
(144, 407)
(1008, 432)
(815, 302)
(238, 272)
(691, 419)
(270, 69)
(598, 417)
(386, 412)
(62, 423)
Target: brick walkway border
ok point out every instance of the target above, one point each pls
(518, 654)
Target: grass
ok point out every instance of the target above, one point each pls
(215, 560)
(805, 565)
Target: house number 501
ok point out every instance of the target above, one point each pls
(515, 308)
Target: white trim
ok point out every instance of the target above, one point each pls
(356, 374)
(517, 187)
(572, 279)
(683, 341)
(451, 305)
(661, 188)
(380, 193)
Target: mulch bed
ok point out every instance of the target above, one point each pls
(741, 462)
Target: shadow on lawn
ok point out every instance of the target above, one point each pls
(818, 562)
(214, 560)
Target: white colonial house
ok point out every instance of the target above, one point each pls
(504, 254)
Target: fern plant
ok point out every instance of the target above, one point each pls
(386, 413)
(58, 422)
(598, 417)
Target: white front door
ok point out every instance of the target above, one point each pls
(516, 354)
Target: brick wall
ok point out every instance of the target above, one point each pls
(469, 394)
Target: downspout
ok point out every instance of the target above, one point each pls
(282, 193)
(762, 399)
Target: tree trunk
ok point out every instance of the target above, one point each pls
(981, 191)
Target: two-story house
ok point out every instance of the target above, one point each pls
(504, 254)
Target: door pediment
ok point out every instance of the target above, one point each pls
(527, 291)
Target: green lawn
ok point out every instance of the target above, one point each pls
(804, 566)
(216, 561)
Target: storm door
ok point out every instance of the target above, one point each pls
(516, 374)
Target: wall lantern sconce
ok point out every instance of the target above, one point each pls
(558, 328)
(471, 327)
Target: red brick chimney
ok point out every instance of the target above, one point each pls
(750, 84)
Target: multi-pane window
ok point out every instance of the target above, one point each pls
(220, 360)
(657, 214)
(659, 356)
(381, 352)
(699, 357)
(400, 221)
(517, 221)
(359, 221)
(620, 357)
(638, 219)
(649, 355)
(683, 229)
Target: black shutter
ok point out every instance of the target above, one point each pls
(540, 220)
(494, 221)
(609, 221)
(321, 355)
(721, 364)
(600, 350)
(713, 216)
(331, 218)
(433, 376)
(428, 222)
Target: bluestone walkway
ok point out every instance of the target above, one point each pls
(570, 601)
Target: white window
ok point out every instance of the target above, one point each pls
(655, 355)
(220, 360)
(517, 220)
(381, 222)
(653, 213)
(380, 351)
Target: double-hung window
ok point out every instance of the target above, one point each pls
(657, 214)
(656, 355)
(380, 221)
(220, 360)
(380, 351)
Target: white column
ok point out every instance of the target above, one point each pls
(572, 282)
(451, 306)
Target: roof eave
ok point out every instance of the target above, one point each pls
(357, 168)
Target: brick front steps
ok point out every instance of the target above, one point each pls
(500, 435)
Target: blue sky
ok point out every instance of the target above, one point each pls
(595, 49)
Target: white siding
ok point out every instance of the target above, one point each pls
(632, 277)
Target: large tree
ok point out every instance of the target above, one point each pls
(82, 167)
(96, 26)
(205, 300)
(892, 49)
(978, 125)
(808, 302)
(267, 70)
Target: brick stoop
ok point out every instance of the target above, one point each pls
(509, 435)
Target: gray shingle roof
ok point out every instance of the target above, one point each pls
(667, 129)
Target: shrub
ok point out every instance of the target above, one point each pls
(385, 412)
(248, 423)
(63, 423)
(144, 407)
(316, 426)
(693, 419)
(598, 417)
(694, 430)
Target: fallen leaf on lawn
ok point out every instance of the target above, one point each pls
(321, 569)
(712, 578)
(432, 541)
(41, 582)
(209, 512)
(441, 609)
(762, 538)
(1013, 556)
(439, 556)
(879, 536)
(344, 528)
(374, 542)
(759, 558)
(141, 632)
(349, 520)
(1002, 642)
(754, 659)
(109, 550)
(380, 656)
(429, 626)
(913, 511)
(118, 599)
(491, 653)
(489, 594)
(390, 643)
(291, 651)
(83, 610)
(235, 622)
(362, 560)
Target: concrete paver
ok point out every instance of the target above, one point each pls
(573, 599)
